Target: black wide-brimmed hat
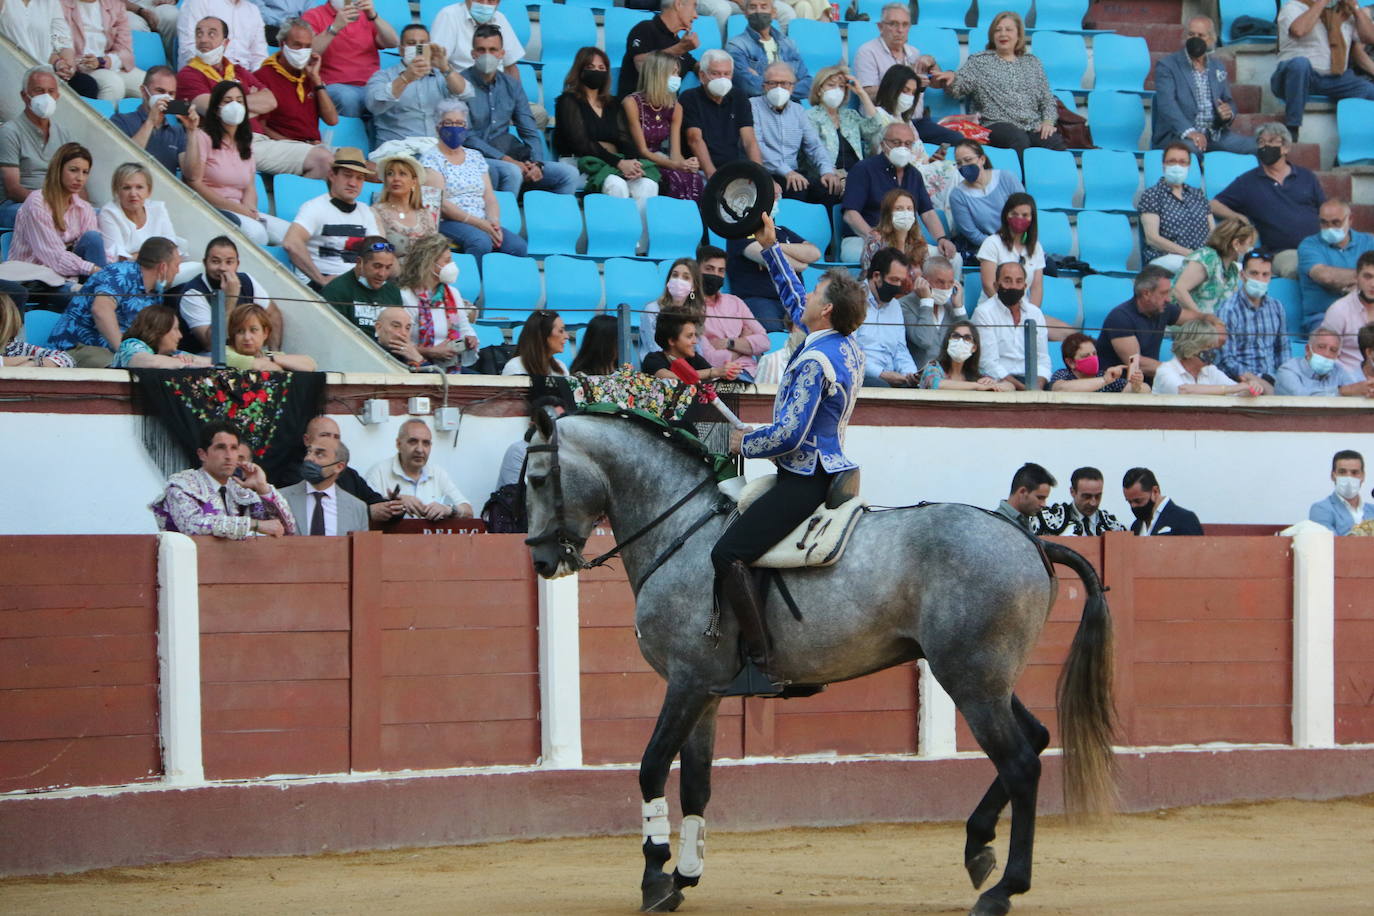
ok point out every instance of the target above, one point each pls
(735, 199)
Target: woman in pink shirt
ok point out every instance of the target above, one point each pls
(56, 228)
(731, 333)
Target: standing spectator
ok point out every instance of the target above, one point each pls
(93, 326)
(784, 133)
(1257, 331)
(761, 44)
(896, 229)
(293, 75)
(469, 214)
(212, 500)
(933, 305)
(877, 56)
(1212, 273)
(1030, 489)
(1016, 241)
(403, 98)
(1155, 514)
(55, 227)
(590, 125)
(148, 125)
(458, 22)
(243, 27)
(318, 238)
(15, 351)
(102, 47)
(153, 341)
(1316, 372)
(730, 333)
(1326, 261)
(882, 336)
(1279, 198)
(317, 504)
(40, 28)
(661, 34)
(749, 279)
(1197, 345)
(845, 132)
(360, 294)
(132, 216)
(542, 338)
(654, 119)
(1081, 371)
(957, 366)
(347, 38)
(248, 329)
(425, 488)
(1192, 103)
(717, 120)
(975, 203)
(221, 272)
(409, 207)
(999, 323)
(1174, 216)
(869, 182)
(1082, 515)
(1345, 507)
(29, 142)
(682, 292)
(1353, 311)
(1318, 49)
(442, 332)
(598, 355)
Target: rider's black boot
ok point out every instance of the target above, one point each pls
(736, 588)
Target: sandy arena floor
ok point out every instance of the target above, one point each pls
(1283, 857)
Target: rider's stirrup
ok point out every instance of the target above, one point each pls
(751, 682)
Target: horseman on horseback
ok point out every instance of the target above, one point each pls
(806, 440)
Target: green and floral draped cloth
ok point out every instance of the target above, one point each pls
(271, 410)
(627, 387)
(722, 466)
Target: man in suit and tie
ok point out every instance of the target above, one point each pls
(1345, 507)
(1155, 514)
(1193, 101)
(318, 505)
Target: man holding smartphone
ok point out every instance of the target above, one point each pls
(161, 123)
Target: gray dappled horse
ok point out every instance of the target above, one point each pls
(951, 584)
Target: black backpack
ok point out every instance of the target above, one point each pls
(504, 512)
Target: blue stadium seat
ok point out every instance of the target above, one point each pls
(599, 5)
(1110, 180)
(1355, 126)
(348, 132)
(1121, 62)
(106, 109)
(1054, 234)
(735, 25)
(613, 226)
(817, 42)
(937, 41)
(631, 282)
(529, 81)
(1117, 119)
(1231, 10)
(1105, 240)
(574, 288)
(874, 9)
(1290, 294)
(1060, 300)
(940, 104)
(519, 18)
(279, 254)
(290, 191)
(860, 33)
(776, 340)
(810, 221)
(553, 74)
(430, 9)
(708, 37)
(553, 223)
(988, 11)
(1220, 168)
(564, 29)
(947, 14)
(1064, 57)
(511, 288)
(469, 276)
(620, 20)
(38, 325)
(1067, 99)
(148, 50)
(5, 238)
(510, 211)
(674, 227)
(395, 12)
(1051, 178)
(1154, 168)
(1101, 295)
(490, 335)
(1004, 159)
(1061, 15)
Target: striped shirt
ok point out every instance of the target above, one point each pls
(37, 241)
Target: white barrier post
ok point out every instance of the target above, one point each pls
(935, 720)
(560, 673)
(178, 650)
(1314, 635)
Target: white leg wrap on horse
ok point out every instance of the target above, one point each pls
(655, 814)
(691, 850)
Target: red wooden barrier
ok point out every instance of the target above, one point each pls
(1354, 640)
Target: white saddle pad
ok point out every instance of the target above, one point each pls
(818, 541)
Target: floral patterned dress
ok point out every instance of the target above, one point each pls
(657, 123)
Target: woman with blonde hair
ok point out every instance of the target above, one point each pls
(1212, 273)
(132, 216)
(440, 326)
(407, 207)
(844, 132)
(15, 351)
(56, 228)
(249, 327)
(682, 292)
(152, 342)
(655, 118)
(897, 229)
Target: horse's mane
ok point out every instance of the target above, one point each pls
(722, 467)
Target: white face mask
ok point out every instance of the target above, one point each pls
(448, 274)
(777, 96)
(904, 102)
(719, 86)
(899, 156)
(487, 64)
(959, 350)
(233, 113)
(904, 219)
(296, 57)
(1347, 487)
(941, 296)
(832, 97)
(213, 56)
(674, 83)
(42, 106)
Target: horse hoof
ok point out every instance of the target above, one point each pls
(667, 904)
(990, 906)
(680, 880)
(660, 895)
(981, 865)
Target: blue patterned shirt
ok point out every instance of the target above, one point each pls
(782, 135)
(123, 282)
(1256, 335)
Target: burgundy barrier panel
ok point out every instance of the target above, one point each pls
(1354, 640)
(78, 661)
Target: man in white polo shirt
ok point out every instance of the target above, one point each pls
(426, 492)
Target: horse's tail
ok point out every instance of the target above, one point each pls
(1087, 714)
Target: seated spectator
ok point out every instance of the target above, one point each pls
(1174, 216)
(1317, 373)
(317, 504)
(394, 330)
(40, 28)
(249, 328)
(1155, 514)
(1326, 261)
(1345, 507)
(1082, 515)
(346, 38)
(933, 305)
(56, 228)
(153, 341)
(717, 120)
(749, 279)
(93, 326)
(349, 480)
(654, 120)
(1016, 241)
(1278, 197)
(541, 339)
(730, 333)
(784, 133)
(761, 44)
(1030, 489)
(676, 336)
(317, 241)
(976, 202)
(773, 363)
(131, 216)
(159, 16)
(1365, 339)
(897, 101)
(887, 362)
(212, 500)
(590, 126)
(661, 34)
(1348, 315)
(408, 210)
(1196, 346)
(456, 24)
(221, 168)
(898, 97)
(425, 489)
(1000, 321)
(102, 47)
(1192, 103)
(682, 292)
(868, 184)
(1257, 331)
(956, 367)
(877, 56)
(1212, 273)
(148, 125)
(15, 351)
(599, 353)
(442, 332)
(1081, 372)
(221, 272)
(243, 27)
(845, 133)
(1136, 326)
(470, 214)
(293, 76)
(361, 293)
(1318, 55)
(496, 104)
(1008, 87)
(403, 98)
(896, 228)
(29, 143)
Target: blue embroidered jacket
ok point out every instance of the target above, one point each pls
(817, 391)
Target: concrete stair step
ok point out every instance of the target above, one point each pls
(1165, 37)
(1362, 216)
(1122, 11)
(1339, 185)
(1248, 99)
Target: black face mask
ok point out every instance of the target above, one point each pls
(1196, 47)
(1010, 297)
(1209, 357)
(1144, 512)
(887, 291)
(1269, 154)
(312, 472)
(594, 79)
(711, 284)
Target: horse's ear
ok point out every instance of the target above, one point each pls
(543, 421)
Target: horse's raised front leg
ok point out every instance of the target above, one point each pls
(682, 709)
(979, 857)
(695, 777)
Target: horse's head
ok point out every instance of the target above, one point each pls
(564, 497)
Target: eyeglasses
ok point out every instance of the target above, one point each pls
(893, 144)
(968, 337)
(785, 84)
(894, 24)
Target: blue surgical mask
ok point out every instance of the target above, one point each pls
(1256, 288)
(1321, 365)
(969, 172)
(1176, 174)
(482, 12)
(453, 137)
(1333, 236)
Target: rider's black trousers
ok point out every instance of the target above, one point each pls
(771, 518)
